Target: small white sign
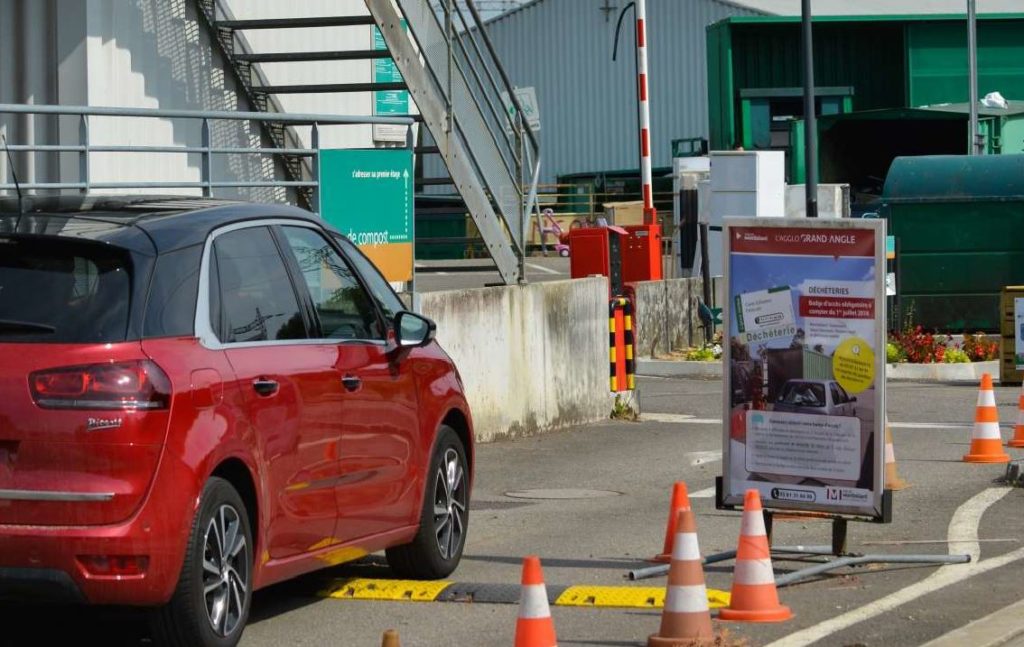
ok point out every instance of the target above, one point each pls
(762, 309)
(528, 100)
(808, 446)
(890, 284)
(1018, 333)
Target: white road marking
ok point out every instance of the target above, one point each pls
(709, 493)
(963, 535)
(701, 458)
(677, 418)
(541, 268)
(937, 425)
(694, 420)
(995, 629)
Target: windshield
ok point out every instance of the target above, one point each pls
(803, 394)
(62, 291)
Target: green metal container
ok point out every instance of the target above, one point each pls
(440, 217)
(860, 63)
(959, 228)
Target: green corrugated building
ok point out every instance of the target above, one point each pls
(864, 63)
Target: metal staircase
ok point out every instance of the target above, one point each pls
(453, 75)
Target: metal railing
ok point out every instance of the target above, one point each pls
(488, 148)
(205, 120)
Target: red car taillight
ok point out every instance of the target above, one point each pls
(139, 384)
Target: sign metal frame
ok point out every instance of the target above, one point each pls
(878, 507)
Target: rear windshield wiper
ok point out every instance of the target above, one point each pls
(10, 325)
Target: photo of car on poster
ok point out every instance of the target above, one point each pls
(804, 388)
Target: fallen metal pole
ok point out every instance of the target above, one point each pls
(662, 569)
(842, 562)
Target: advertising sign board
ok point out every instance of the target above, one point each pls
(388, 103)
(1018, 333)
(367, 195)
(805, 379)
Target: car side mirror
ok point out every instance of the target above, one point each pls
(413, 330)
(853, 399)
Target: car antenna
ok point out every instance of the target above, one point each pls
(17, 186)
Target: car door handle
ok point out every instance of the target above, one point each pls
(265, 387)
(351, 382)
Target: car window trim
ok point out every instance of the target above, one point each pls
(314, 329)
(377, 312)
(203, 328)
(362, 279)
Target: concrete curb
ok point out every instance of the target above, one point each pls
(677, 368)
(941, 372)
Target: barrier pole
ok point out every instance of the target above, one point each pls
(650, 215)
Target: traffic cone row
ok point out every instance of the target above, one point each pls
(680, 501)
(892, 477)
(686, 616)
(1018, 431)
(986, 441)
(754, 597)
(534, 628)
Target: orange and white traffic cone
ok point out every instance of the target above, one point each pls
(754, 596)
(390, 639)
(986, 442)
(892, 477)
(686, 618)
(534, 628)
(680, 501)
(1018, 431)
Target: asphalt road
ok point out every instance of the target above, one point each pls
(596, 540)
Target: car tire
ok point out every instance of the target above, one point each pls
(198, 615)
(437, 548)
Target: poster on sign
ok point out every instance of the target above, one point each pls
(805, 379)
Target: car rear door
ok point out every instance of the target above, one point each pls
(290, 381)
(380, 443)
(83, 411)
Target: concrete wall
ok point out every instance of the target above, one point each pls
(666, 315)
(533, 358)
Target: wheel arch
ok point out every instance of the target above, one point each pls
(236, 472)
(459, 422)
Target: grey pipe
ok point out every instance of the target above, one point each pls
(662, 569)
(817, 569)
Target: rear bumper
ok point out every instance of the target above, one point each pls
(41, 562)
(28, 584)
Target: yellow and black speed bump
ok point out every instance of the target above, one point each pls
(622, 597)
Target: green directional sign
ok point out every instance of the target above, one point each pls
(368, 195)
(388, 103)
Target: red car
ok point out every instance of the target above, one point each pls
(202, 398)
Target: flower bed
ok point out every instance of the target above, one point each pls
(917, 346)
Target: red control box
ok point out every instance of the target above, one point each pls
(641, 253)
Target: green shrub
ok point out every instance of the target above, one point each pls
(956, 356)
(706, 354)
(894, 354)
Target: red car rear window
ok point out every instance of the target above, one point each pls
(62, 291)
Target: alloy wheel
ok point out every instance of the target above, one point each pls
(450, 502)
(226, 562)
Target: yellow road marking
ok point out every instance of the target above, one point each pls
(627, 597)
(393, 590)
